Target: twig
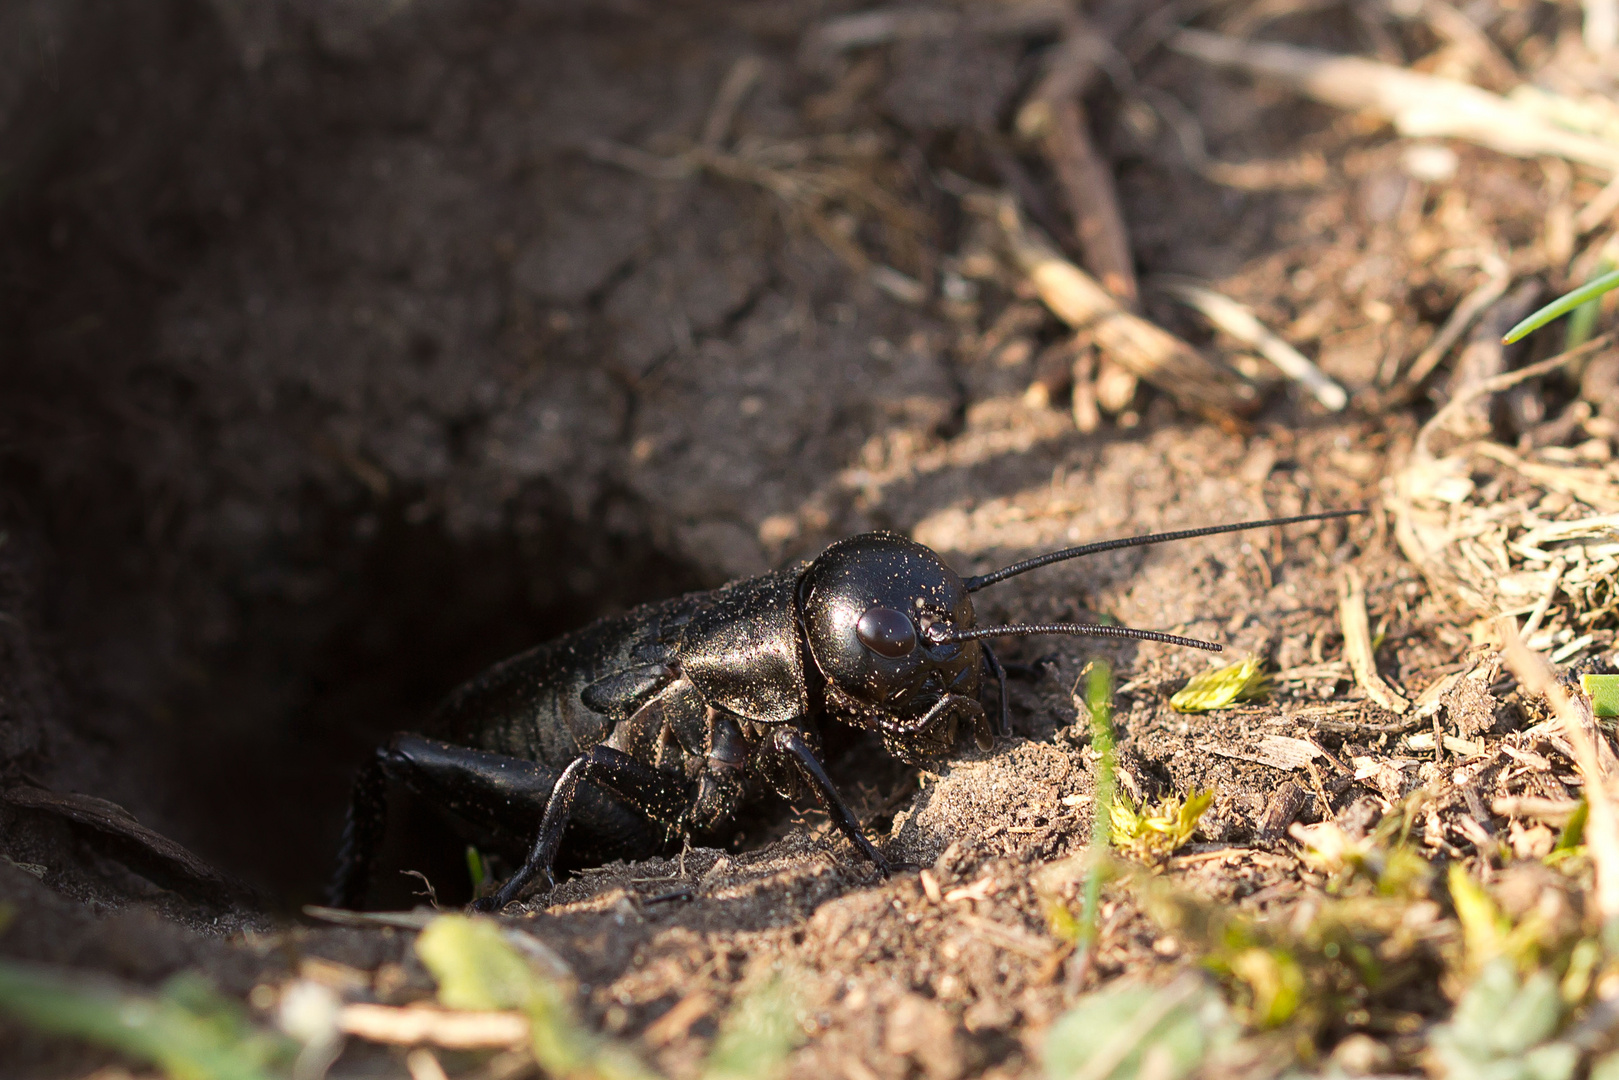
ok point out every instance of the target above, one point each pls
(1087, 184)
(1054, 115)
(423, 1065)
(1087, 417)
(1599, 209)
(1559, 565)
(1241, 323)
(1551, 811)
(1145, 349)
(738, 81)
(1424, 740)
(1602, 827)
(1358, 642)
(679, 1019)
(451, 1028)
(1418, 105)
(1487, 293)
(1280, 812)
(1459, 30)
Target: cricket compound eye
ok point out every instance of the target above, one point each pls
(886, 632)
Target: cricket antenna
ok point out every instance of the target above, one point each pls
(939, 635)
(975, 583)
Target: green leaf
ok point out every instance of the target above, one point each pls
(1158, 832)
(1562, 306)
(1604, 693)
(1501, 1028)
(187, 1029)
(756, 1036)
(1573, 834)
(477, 969)
(1276, 981)
(1220, 687)
(1139, 1030)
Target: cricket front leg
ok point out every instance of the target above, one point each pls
(788, 741)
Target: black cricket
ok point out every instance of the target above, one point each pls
(666, 720)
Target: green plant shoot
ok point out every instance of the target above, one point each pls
(478, 870)
(1219, 687)
(1563, 305)
(1157, 832)
(1099, 703)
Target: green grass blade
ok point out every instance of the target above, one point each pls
(477, 968)
(187, 1030)
(1562, 306)
(1099, 702)
(1582, 322)
(756, 1037)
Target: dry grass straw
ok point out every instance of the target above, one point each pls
(1418, 105)
(1146, 350)
(1358, 643)
(1240, 322)
(1502, 547)
(1472, 306)
(1602, 828)
(453, 1029)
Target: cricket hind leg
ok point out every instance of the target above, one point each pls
(498, 795)
(658, 796)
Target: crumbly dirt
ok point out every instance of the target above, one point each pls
(341, 363)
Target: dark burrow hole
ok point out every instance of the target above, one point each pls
(357, 628)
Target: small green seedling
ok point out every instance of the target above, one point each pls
(1563, 305)
(1603, 691)
(1158, 832)
(478, 870)
(1220, 687)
